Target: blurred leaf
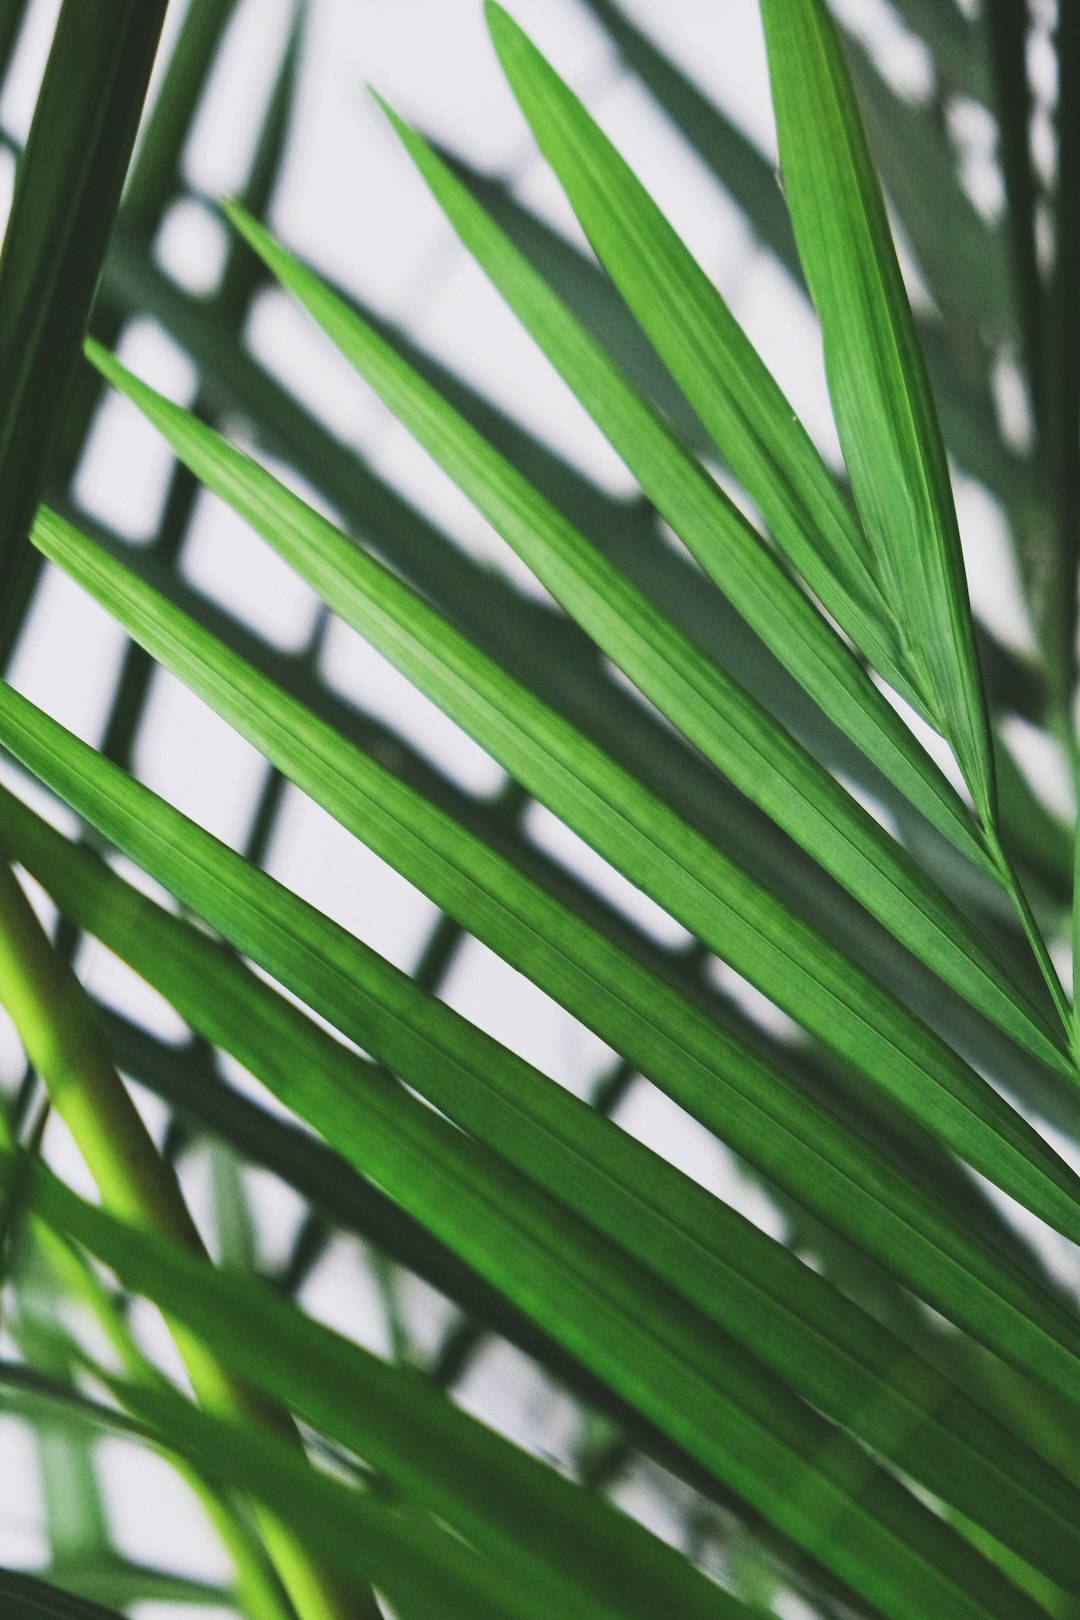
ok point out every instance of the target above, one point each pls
(122, 1582)
(34, 1599)
(157, 171)
(458, 1469)
(956, 249)
(1054, 577)
(107, 1574)
(1002, 50)
(12, 17)
(952, 41)
(235, 1236)
(75, 1518)
(350, 1528)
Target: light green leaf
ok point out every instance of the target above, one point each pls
(521, 635)
(741, 406)
(737, 735)
(698, 339)
(765, 1117)
(514, 628)
(653, 752)
(820, 1343)
(450, 1465)
(909, 144)
(996, 45)
(632, 828)
(881, 398)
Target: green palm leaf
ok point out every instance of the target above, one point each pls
(634, 829)
(827, 1167)
(288, 1346)
(734, 733)
(881, 398)
(716, 720)
(840, 1359)
(39, 1600)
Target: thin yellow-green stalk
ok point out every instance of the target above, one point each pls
(56, 1026)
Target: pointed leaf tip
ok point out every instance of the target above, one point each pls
(885, 414)
(383, 105)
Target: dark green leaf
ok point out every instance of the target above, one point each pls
(457, 1469)
(633, 828)
(32, 1599)
(814, 1338)
(734, 733)
(66, 194)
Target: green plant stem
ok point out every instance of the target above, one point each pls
(56, 1026)
(257, 1592)
(1039, 950)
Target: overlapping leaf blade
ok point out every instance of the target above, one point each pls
(732, 731)
(502, 1501)
(418, 1436)
(657, 1387)
(632, 828)
(920, 1236)
(694, 333)
(743, 407)
(345, 1525)
(68, 187)
(764, 1117)
(519, 634)
(881, 398)
(36, 1599)
(779, 1309)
